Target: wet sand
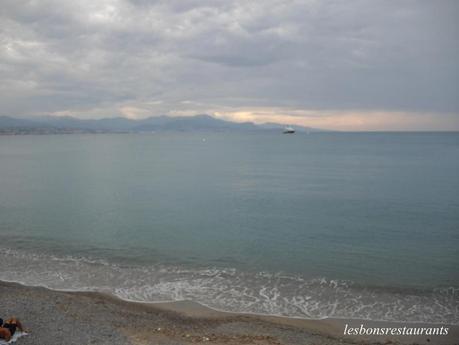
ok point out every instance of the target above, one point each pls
(57, 317)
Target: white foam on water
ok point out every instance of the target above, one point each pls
(232, 290)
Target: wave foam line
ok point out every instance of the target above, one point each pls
(231, 290)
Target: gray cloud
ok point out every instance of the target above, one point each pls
(96, 58)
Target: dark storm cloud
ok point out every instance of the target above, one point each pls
(139, 57)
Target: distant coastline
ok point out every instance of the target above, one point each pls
(71, 125)
(52, 125)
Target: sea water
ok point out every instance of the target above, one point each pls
(348, 225)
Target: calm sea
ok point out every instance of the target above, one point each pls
(362, 225)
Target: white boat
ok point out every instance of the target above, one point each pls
(289, 130)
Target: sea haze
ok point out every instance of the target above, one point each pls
(320, 225)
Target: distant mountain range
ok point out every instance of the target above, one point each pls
(67, 124)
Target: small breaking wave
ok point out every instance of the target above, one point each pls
(233, 290)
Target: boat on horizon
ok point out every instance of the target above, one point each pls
(289, 130)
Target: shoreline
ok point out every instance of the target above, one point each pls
(77, 317)
(176, 305)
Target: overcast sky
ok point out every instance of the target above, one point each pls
(333, 64)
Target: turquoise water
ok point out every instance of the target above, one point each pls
(326, 224)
